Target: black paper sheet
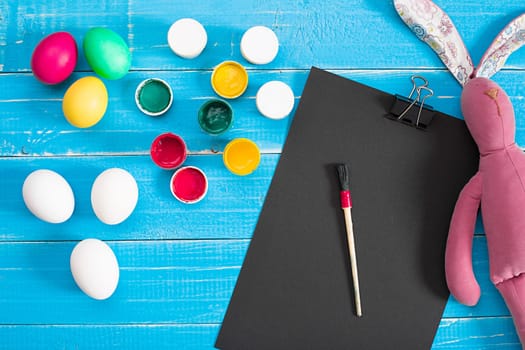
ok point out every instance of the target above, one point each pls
(295, 289)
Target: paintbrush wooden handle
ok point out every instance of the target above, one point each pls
(353, 260)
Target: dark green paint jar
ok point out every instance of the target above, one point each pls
(215, 116)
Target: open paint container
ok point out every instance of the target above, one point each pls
(189, 184)
(241, 156)
(229, 79)
(215, 116)
(168, 151)
(154, 96)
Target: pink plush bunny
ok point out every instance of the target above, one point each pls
(499, 185)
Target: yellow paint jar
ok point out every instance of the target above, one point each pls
(241, 156)
(229, 79)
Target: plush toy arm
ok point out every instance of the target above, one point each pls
(458, 256)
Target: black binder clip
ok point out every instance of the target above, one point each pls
(413, 110)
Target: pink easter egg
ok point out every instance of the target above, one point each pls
(54, 58)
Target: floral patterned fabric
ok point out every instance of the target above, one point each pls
(511, 38)
(435, 27)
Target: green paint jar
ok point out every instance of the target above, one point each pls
(154, 96)
(215, 116)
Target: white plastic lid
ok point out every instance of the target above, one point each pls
(187, 38)
(275, 100)
(259, 45)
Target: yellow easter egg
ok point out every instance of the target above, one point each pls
(85, 102)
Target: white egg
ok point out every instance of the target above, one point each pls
(114, 196)
(95, 268)
(48, 196)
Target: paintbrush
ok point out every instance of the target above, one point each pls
(346, 205)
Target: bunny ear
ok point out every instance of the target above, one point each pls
(511, 38)
(435, 27)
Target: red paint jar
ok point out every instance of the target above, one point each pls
(189, 184)
(168, 151)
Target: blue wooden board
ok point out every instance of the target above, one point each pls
(179, 263)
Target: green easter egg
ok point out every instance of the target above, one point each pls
(107, 53)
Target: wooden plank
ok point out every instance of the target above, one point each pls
(157, 215)
(476, 333)
(229, 210)
(182, 281)
(459, 333)
(331, 34)
(101, 337)
(33, 123)
(160, 282)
